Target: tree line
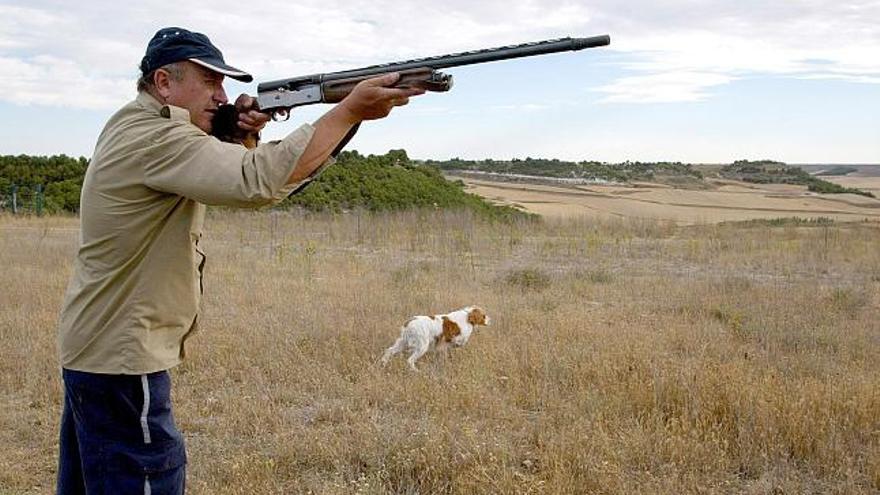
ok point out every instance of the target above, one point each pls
(57, 178)
(374, 182)
(773, 172)
(392, 181)
(559, 169)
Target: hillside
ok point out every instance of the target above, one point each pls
(772, 172)
(388, 182)
(837, 170)
(584, 171)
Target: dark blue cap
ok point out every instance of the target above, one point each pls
(173, 44)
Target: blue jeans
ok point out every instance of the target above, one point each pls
(118, 436)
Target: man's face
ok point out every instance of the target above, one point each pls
(200, 91)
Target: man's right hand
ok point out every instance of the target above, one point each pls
(373, 99)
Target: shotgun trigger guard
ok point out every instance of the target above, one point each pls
(281, 115)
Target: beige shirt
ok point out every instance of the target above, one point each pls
(134, 296)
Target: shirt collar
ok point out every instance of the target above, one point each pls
(149, 102)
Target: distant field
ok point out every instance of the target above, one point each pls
(728, 201)
(861, 170)
(626, 356)
(870, 184)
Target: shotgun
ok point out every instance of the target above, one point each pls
(277, 98)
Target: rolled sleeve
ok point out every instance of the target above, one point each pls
(185, 161)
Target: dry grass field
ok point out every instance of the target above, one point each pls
(625, 356)
(724, 201)
(871, 184)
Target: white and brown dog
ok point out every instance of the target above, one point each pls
(419, 333)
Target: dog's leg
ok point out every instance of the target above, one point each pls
(417, 353)
(442, 348)
(394, 349)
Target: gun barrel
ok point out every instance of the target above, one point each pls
(445, 61)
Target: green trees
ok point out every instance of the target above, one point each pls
(771, 172)
(59, 178)
(388, 182)
(375, 182)
(589, 170)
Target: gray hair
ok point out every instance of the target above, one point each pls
(175, 70)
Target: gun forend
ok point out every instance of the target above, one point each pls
(422, 78)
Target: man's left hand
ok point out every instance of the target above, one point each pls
(250, 121)
(249, 118)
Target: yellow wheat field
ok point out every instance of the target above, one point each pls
(625, 356)
(720, 201)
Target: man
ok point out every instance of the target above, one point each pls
(134, 296)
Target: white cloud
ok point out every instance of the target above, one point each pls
(675, 50)
(663, 88)
(723, 41)
(49, 81)
(523, 107)
(850, 78)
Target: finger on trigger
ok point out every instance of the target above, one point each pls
(244, 102)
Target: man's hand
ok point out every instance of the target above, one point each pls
(250, 121)
(372, 99)
(249, 118)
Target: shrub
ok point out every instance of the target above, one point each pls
(390, 182)
(528, 279)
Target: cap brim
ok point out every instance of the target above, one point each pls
(226, 70)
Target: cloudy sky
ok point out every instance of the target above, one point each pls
(705, 82)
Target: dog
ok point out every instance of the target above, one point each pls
(419, 333)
